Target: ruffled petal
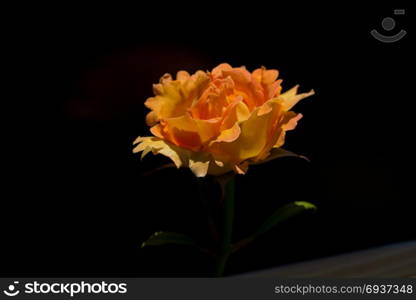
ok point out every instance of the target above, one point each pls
(159, 146)
(229, 135)
(213, 100)
(289, 98)
(236, 112)
(254, 137)
(182, 131)
(217, 71)
(268, 81)
(289, 122)
(250, 90)
(207, 129)
(200, 163)
(174, 97)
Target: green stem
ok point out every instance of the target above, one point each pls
(228, 220)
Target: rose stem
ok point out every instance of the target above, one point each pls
(228, 215)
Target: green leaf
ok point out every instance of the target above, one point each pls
(280, 215)
(164, 238)
(276, 153)
(284, 213)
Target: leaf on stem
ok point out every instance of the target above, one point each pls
(276, 153)
(280, 215)
(284, 213)
(164, 238)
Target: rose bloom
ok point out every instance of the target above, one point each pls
(219, 121)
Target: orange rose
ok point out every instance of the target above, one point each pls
(218, 121)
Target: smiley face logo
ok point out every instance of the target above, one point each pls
(389, 24)
(12, 290)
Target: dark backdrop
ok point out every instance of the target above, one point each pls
(75, 203)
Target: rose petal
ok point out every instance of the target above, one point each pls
(159, 146)
(199, 167)
(290, 97)
(229, 135)
(174, 97)
(254, 136)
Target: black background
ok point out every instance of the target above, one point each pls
(75, 202)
